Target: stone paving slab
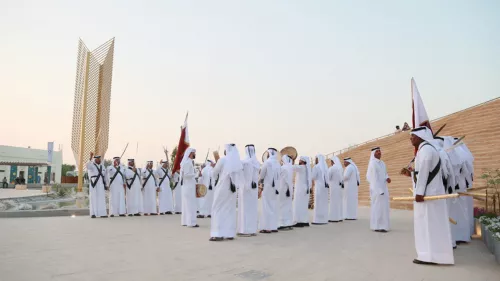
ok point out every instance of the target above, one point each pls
(158, 248)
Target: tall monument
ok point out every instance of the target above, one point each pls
(94, 72)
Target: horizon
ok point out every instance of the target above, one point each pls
(318, 76)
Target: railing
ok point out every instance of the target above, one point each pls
(391, 134)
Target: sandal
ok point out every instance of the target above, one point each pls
(214, 239)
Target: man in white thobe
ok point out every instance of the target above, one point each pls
(188, 184)
(285, 202)
(321, 187)
(177, 193)
(335, 181)
(269, 176)
(448, 177)
(248, 197)
(117, 186)
(469, 163)
(207, 180)
(461, 231)
(303, 184)
(431, 222)
(165, 200)
(97, 187)
(149, 189)
(351, 185)
(134, 187)
(379, 193)
(229, 170)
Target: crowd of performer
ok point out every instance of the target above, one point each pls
(234, 187)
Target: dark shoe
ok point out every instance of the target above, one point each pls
(200, 216)
(168, 213)
(209, 216)
(281, 227)
(161, 214)
(123, 215)
(130, 215)
(316, 223)
(243, 235)
(92, 217)
(454, 247)
(334, 221)
(415, 261)
(229, 238)
(137, 215)
(153, 214)
(306, 224)
(195, 225)
(104, 217)
(298, 225)
(350, 219)
(383, 230)
(265, 231)
(215, 239)
(274, 230)
(112, 216)
(178, 213)
(461, 242)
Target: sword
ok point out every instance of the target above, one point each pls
(438, 131)
(124, 151)
(207, 155)
(455, 144)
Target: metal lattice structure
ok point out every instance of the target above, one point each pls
(91, 108)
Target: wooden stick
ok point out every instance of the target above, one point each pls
(472, 194)
(411, 190)
(452, 221)
(427, 198)
(478, 188)
(478, 198)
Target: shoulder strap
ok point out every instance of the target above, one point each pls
(116, 174)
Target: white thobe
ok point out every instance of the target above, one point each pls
(461, 231)
(149, 191)
(432, 232)
(207, 180)
(248, 200)
(189, 203)
(379, 195)
(97, 192)
(336, 194)
(116, 181)
(269, 216)
(165, 199)
(350, 192)
(320, 214)
(301, 195)
(452, 204)
(284, 200)
(469, 170)
(134, 194)
(177, 193)
(223, 222)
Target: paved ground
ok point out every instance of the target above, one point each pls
(158, 248)
(11, 193)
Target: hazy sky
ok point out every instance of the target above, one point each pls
(317, 75)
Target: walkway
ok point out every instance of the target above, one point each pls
(158, 248)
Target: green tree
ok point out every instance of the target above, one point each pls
(172, 157)
(67, 168)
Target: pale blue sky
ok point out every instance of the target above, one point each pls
(318, 75)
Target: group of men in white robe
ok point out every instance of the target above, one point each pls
(132, 191)
(441, 167)
(284, 205)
